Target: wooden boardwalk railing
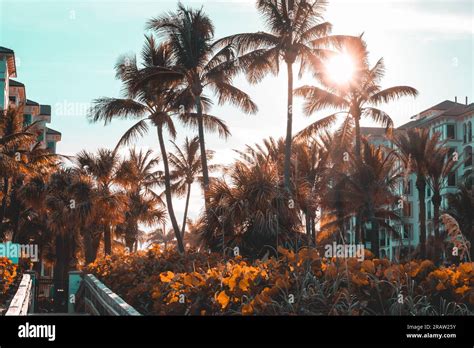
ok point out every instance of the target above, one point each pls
(100, 300)
(21, 302)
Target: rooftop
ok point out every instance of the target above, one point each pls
(6, 50)
(10, 60)
(14, 83)
(52, 131)
(31, 102)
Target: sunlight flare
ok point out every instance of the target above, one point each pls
(340, 68)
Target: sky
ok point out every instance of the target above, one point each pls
(66, 51)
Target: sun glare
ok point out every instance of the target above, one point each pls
(340, 68)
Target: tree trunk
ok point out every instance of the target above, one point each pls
(186, 211)
(107, 240)
(3, 210)
(169, 201)
(421, 187)
(374, 234)
(436, 199)
(202, 147)
(88, 250)
(289, 124)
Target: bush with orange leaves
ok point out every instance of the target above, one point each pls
(296, 283)
(8, 274)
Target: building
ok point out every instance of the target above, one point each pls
(14, 93)
(454, 121)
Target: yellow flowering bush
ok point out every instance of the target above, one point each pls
(161, 282)
(8, 273)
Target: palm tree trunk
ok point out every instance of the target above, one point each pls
(436, 199)
(107, 240)
(421, 187)
(358, 151)
(186, 211)
(202, 147)
(169, 201)
(289, 124)
(3, 211)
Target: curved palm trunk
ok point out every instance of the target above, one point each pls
(421, 187)
(186, 211)
(202, 147)
(289, 124)
(169, 201)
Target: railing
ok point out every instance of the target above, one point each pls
(21, 302)
(100, 300)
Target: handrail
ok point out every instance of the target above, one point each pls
(100, 300)
(23, 297)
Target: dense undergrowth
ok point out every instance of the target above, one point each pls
(158, 282)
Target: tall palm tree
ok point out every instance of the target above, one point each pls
(138, 176)
(151, 105)
(296, 32)
(102, 167)
(415, 147)
(186, 165)
(359, 97)
(190, 34)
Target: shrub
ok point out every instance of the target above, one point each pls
(8, 273)
(297, 283)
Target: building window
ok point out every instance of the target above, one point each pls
(429, 210)
(451, 131)
(428, 192)
(407, 189)
(452, 179)
(469, 131)
(468, 179)
(468, 156)
(407, 209)
(407, 231)
(464, 133)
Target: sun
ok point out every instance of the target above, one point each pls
(340, 68)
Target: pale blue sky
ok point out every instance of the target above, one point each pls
(66, 51)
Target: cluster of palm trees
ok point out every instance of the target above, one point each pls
(292, 191)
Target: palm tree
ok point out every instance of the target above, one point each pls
(368, 190)
(103, 169)
(186, 165)
(190, 35)
(461, 207)
(296, 33)
(415, 147)
(160, 236)
(70, 204)
(439, 167)
(358, 97)
(248, 209)
(138, 176)
(150, 105)
(20, 155)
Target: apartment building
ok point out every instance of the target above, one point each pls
(455, 122)
(14, 93)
